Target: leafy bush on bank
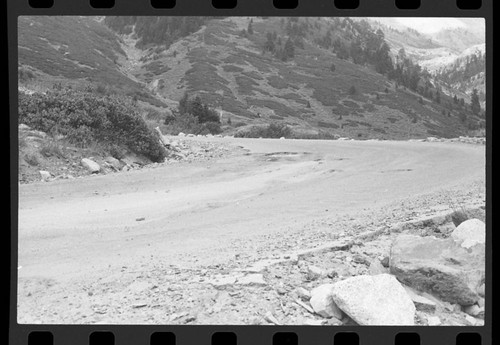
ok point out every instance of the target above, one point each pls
(273, 130)
(85, 118)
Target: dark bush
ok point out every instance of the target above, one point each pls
(85, 118)
(458, 217)
(25, 75)
(273, 130)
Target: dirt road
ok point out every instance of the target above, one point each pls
(207, 213)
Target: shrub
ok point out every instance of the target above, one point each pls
(25, 75)
(84, 118)
(273, 130)
(211, 127)
(458, 217)
(32, 159)
(51, 148)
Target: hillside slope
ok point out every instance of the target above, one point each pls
(315, 90)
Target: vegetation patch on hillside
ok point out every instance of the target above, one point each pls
(86, 118)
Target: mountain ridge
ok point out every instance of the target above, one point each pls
(232, 71)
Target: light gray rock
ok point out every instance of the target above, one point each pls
(90, 165)
(114, 163)
(222, 281)
(314, 272)
(470, 233)
(421, 303)
(24, 127)
(252, 280)
(481, 290)
(303, 294)
(474, 310)
(438, 266)
(181, 134)
(313, 322)
(374, 300)
(322, 302)
(45, 175)
(433, 321)
(471, 320)
(376, 268)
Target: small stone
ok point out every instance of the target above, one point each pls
(303, 294)
(433, 321)
(385, 261)
(314, 272)
(471, 320)
(90, 165)
(376, 268)
(252, 280)
(45, 175)
(281, 291)
(313, 322)
(474, 310)
(481, 290)
(360, 259)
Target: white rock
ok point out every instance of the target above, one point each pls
(222, 281)
(374, 300)
(90, 165)
(433, 321)
(312, 322)
(282, 138)
(474, 310)
(252, 280)
(376, 267)
(470, 233)
(45, 175)
(322, 302)
(181, 134)
(471, 320)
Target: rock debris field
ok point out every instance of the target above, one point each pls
(417, 258)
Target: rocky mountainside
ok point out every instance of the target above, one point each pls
(455, 55)
(466, 73)
(315, 75)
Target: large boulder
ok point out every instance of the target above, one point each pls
(90, 165)
(374, 300)
(439, 266)
(470, 233)
(322, 302)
